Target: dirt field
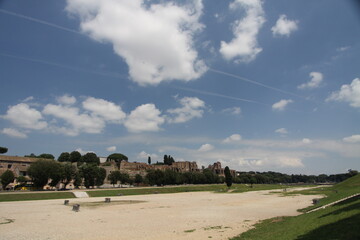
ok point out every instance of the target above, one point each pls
(198, 215)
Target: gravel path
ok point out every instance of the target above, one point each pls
(197, 215)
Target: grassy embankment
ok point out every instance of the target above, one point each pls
(4, 197)
(340, 221)
(25, 196)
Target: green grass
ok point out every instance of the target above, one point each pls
(340, 221)
(35, 196)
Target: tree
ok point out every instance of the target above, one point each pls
(124, 178)
(46, 156)
(77, 180)
(43, 170)
(31, 155)
(3, 150)
(138, 179)
(101, 175)
(90, 157)
(117, 157)
(75, 156)
(149, 160)
(155, 177)
(93, 175)
(114, 177)
(68, 173)
(228, 177)
(89, 174)
(6, 178)
(64, 157)
(168, 160)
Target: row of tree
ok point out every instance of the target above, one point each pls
(53, 172)
(275, 177)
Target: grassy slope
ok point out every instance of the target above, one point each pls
(340, 221)
(35, 196)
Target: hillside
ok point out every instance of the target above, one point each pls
(339, 221)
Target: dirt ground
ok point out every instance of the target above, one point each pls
(197, 215)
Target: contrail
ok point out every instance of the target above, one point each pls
(40, 21)
(220, 95)
(255, 82)
(106, 74)
(232, 98)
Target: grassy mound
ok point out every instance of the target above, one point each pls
(340, 221)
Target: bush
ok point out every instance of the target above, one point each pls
(6, 178)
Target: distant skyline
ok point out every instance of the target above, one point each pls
(256, 85)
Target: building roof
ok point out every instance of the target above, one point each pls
(4, 158)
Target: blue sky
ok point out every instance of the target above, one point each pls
(256, 85)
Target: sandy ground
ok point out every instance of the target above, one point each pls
(198, 215)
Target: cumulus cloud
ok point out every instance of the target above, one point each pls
(348, 93)
(244, 46)
(155, 40)
(109, 111)
(66, 99)
(233, 138)
(315, 81)
(284, 27)
(111, 149)
(13, 133)
(281, 105)
(144, 118)
(76, 122)
(22, 115)
(206, 147)
(352, 139)
(281, 131)
(192, 107)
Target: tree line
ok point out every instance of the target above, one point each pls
(275, 177)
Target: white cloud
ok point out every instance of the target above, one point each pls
(348, 93)
(111, 149)
(206, 147)
(306, 141)
(233, 138)
(25, 117)
(76, 122)
(144, 156)
(281, 131)
(13, 133)
(281, 105)
(144, 118)
(315, 81)
(66, 99)
(83, 152)
(233, 110)
(192, 107)
(244, 46)
(352, 139)
(104, 109)
(284, 27)
(155, 40)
